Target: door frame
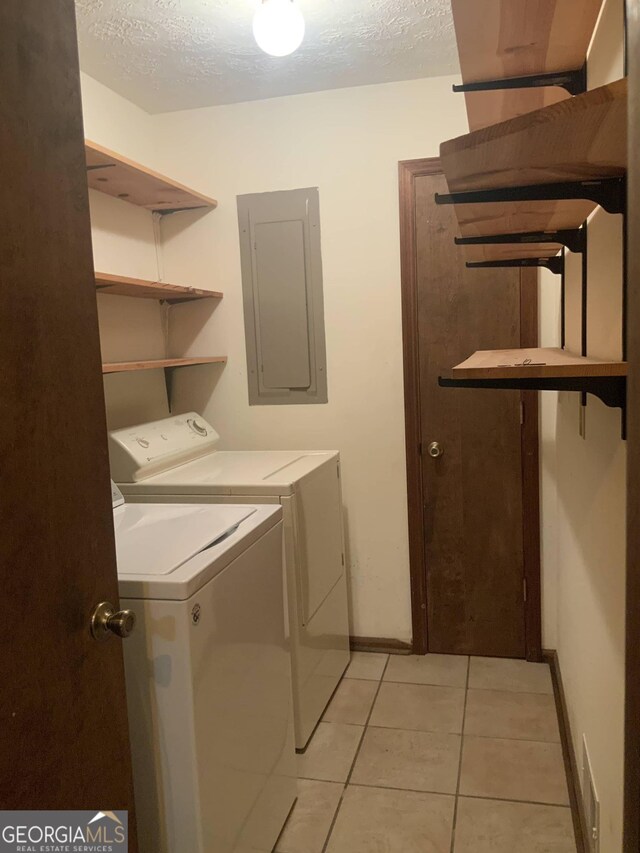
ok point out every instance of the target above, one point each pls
(632, 654)
(408, 172)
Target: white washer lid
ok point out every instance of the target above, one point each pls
(155, 539)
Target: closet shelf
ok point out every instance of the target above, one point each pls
(545, 171)
(549, 362)
(168, 365)
(122, 178)
(501, 40)
(165, 363)
(509, 251)
(581, 139)
(545, 369)
(120, 285)
(530, 245)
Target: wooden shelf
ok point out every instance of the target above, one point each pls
(479, 220)
(580, 139)
(120, 285)
(548, 370)
(546, 363)
(122, 178)
(499, 39)
(129, 366)
(510, 251)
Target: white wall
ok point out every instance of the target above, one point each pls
(348, 143)
(583, 493)
(549, 336)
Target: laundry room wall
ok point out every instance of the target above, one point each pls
(583, 493)
(549, 336)
(348, 143)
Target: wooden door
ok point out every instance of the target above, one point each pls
(472, 518)
(64, 740)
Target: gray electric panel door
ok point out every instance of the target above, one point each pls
(282, 292)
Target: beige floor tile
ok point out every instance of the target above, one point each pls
(422, 707)
(489, 826)
(310, 821)
(367, 665)
(371, 819)
(419, 761)
(351, 702)
(513, 770)
(446, 670)
(330, 754)
(506, 714)
(505, 674)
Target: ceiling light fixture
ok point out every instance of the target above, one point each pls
(278, 27)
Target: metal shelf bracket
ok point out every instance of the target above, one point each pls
(612, 390)
(609, 193)
(572, 238)
(554, 264)
(574, 82)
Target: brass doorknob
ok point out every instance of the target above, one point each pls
(435, 450)
(106, 620)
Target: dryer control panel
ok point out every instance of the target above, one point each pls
(141, 451)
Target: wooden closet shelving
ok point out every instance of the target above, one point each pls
(543, 369)
(580, 139)
(168, 365)
(154, 364)
(574, 148)
(121, 285)
(125, 179)
(508, 39)
(540, 363)
(542, 154)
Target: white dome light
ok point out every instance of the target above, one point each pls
(278, 27)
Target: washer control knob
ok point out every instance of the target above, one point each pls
(197, 427)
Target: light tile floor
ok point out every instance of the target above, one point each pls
(435, 754)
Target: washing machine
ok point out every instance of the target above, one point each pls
(208, 676)
(176, 459)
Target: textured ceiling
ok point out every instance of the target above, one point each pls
(176, 54)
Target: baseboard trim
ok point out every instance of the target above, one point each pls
(550, 656)
(380, 644)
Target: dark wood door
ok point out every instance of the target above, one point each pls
(473, 508)
(64, 740)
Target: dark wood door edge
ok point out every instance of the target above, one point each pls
(632, 659)
(409, 171)
(380, 644)
(568, 752)
(531, 474)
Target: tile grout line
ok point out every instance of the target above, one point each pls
(500, 689)
(355, 758)
(516, 739)
(477, 737)
(508, 690)
(457, 795)
(444, 794)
